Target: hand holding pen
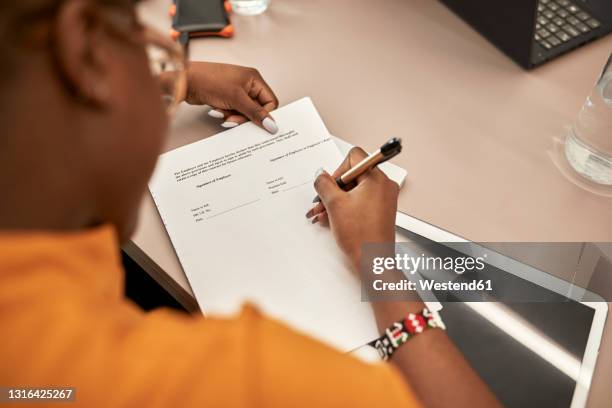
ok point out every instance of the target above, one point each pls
(366, 213)
(347, 179)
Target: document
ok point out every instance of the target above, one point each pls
(234, 207)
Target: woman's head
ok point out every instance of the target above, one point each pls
(85, 112)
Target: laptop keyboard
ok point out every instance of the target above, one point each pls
(559, 21)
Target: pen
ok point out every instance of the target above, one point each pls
(390, 149)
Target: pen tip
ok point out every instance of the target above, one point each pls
(317, 199)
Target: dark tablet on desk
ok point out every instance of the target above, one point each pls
(532, 354)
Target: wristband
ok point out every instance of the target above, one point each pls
(402, 331)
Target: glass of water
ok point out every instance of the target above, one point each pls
(588, 147)
(249, 7)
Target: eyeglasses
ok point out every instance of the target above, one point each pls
(166, 58)
(168, 67)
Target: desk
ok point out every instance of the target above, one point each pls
(478, 131)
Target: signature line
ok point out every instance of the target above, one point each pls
(296, 186)
(234, 208)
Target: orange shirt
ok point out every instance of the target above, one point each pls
(65, 322)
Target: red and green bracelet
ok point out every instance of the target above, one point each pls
(400, 332)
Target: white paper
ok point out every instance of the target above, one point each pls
(234, 206)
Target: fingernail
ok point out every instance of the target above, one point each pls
(229, 124)
(315, 220)
(216, 114)
(319, 171)
(270, 125)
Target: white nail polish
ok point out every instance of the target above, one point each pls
(319, 172)
(229, 125)
(270, 126)
(216, 114)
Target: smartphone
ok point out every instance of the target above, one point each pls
(198, 18)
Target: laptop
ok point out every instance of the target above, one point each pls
(532, 32)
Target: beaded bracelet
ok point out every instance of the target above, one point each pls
(400, 332)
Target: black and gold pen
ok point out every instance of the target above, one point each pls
(390, 149)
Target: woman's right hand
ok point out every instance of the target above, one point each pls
(365, 214)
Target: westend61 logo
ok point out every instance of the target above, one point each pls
(412, 264)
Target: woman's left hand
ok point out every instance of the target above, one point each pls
(235, 93)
